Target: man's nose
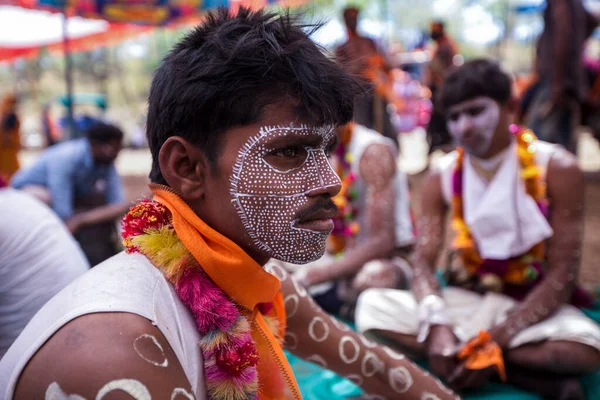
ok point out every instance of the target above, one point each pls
(465, 124)
(327, 182)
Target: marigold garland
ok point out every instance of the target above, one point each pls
(521, 270)
(228, 350)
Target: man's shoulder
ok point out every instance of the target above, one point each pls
(102, 352)
(69, 151)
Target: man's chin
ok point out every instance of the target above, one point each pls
(304, 258)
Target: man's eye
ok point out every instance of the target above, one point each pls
(453, 116)
(288, 152)
(474, 111)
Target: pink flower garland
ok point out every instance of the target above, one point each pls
(230, 355)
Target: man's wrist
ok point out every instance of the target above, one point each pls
(431, 312)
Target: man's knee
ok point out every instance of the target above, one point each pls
(558, 356)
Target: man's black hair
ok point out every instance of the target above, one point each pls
(224, 73)
(103, 133)
(476, 78)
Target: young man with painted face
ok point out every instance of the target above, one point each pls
(240, 123)
(517, 211)
(375, 231)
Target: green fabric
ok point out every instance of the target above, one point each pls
(317, 383)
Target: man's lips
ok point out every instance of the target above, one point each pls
(320, 221)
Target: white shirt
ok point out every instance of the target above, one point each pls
(362, 138)
(504, 220)
(124, 283)
(38, 258)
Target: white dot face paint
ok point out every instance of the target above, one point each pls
(349, 356)
(473, 123)
(179, 392)
(400, 379)
(268, 197)
(55, 392)
(140, 345)
(135, 389)
(318, 329)
(317, 359)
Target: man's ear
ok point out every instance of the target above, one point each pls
(184, 167)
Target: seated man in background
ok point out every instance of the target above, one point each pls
(38, 258)
(78, 179)
(373, 229)
(517, 211)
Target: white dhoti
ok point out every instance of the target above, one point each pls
(396, 311)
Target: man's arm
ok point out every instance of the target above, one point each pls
(61, 175)
(317, 337)
(430, 239)
(115, 205)
(377, 168)
(102, 353)
(565, 191)
(562, 18)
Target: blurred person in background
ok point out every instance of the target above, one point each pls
(441, 63)
(188, 311)
(38, 258)
(360, 56)
(555, 109)
(78, 179)
(373, 232)
(511, 309)
(10, 139)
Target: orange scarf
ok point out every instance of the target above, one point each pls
(246, 283)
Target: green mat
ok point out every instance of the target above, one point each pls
(317, 383)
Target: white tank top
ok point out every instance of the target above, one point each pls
(361, 139)
(504, 220)
(38, 258)
(124, 283)
(543, 155)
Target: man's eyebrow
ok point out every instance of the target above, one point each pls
(311, 140)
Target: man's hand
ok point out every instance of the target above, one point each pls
(73, 224)
(463, 378)
(378, 273)
(441, 351)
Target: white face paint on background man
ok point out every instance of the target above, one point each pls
(473, 123)
(271, 186)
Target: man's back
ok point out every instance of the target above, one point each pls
(71, 153)
(133, 291)
(38, 258)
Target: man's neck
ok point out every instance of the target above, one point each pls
(352, 34)
(499, 145)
